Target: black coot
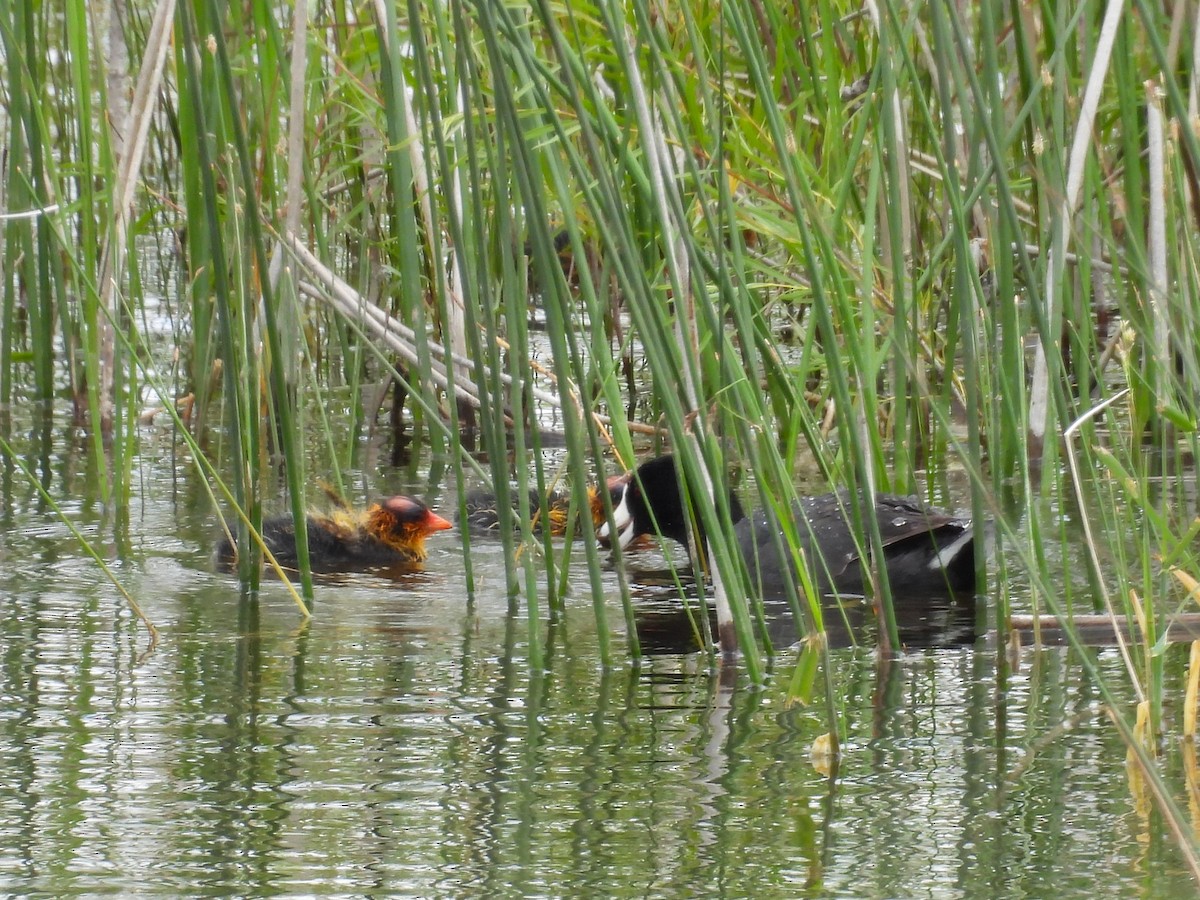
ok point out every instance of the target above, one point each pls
(926, 550)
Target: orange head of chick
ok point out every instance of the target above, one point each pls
(403, 523)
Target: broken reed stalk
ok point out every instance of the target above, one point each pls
(403, 340)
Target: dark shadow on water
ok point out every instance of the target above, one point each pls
(404, 575)
(668, 625)
(401, 575)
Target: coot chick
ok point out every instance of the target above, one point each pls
(385, 533)
(483, 510)
(925, 550)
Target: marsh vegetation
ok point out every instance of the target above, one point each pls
(940, 250)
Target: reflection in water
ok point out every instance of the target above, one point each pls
(667, 624)
(400, 742)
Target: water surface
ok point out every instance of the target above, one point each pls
(400, 744)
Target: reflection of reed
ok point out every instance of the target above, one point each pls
(1191, 777)
(1187, 746)
(1139, 791)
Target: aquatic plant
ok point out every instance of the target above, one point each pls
(922, 250)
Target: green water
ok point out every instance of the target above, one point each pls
(399, 745)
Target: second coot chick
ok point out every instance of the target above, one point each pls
(483, 510)
(925, 550)
(386, 533)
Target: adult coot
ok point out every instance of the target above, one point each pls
(925, 550)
